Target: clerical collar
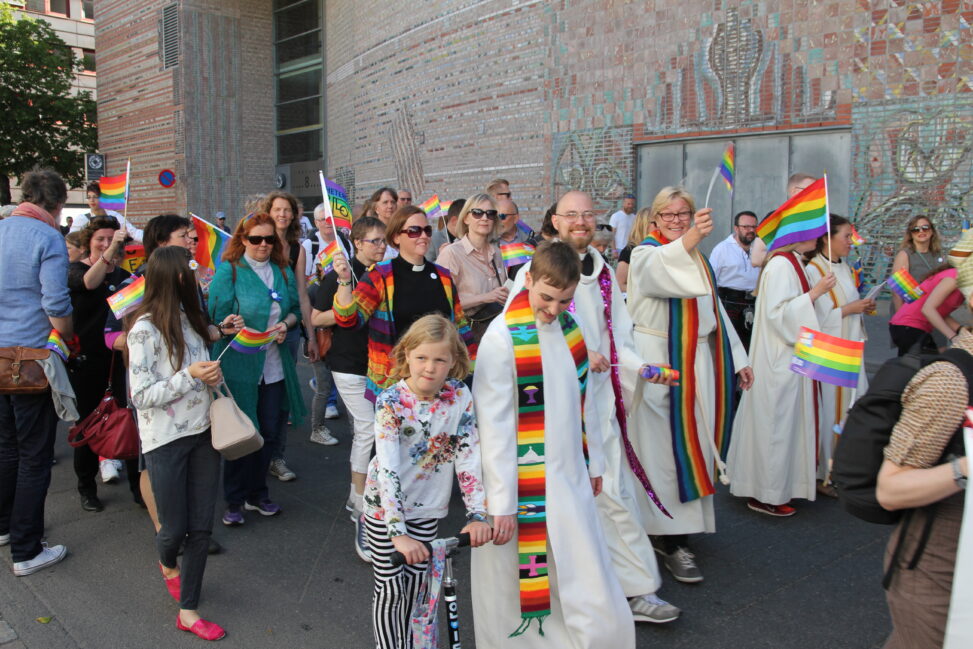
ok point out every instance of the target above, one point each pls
(254, 263)
(415, 269)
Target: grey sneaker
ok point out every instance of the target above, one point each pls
(46, 557)
(323, 436)
(651, 608)
(4, 539)
(682, 566)
(280, 471)
(361, 540)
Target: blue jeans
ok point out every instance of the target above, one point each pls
(27, 426)
(245, 479)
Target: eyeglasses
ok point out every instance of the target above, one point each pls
(504, 217)
(378, 241)
(479, 214)
(416, 231)
(685, 215)
(574, 216)
(747, 227)
(922, 228)
(507, 194)
(602, 227)
(256, 240)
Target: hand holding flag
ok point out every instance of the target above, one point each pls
(802, 218)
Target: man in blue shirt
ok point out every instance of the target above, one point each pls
(34, 286)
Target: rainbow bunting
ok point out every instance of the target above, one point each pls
(802, 218)
(856, 239)
(431, 207)
(114, 192)
(57, 345)
(516, 253)
(125, 300)
(828, 358)
(212, 241)
(905, 285)
(340, 208)
(249, 341)
(325, 258)
(727, 167)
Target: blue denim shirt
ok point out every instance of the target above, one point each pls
(33, 281)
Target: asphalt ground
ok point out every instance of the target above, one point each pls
(294, 581)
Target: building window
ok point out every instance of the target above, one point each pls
(299, 80)
(88, 9)
(88, 61)
(54, 7)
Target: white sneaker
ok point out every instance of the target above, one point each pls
(323, 436)
(109, 472)
(278, 469)
(331, 412)
(46, 557)
(651, 608)
(4, 539)
(362, 548)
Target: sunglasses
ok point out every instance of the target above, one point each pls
(922, 228)
(504, 217)
(604, 227)
(416, 231)
(479, 214)
(257, 240)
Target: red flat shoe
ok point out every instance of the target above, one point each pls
(174, 584)
(203, 629)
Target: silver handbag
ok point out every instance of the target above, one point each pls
(234, 435)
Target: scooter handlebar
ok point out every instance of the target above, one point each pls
(461, 540)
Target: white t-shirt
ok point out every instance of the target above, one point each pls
(621, 223)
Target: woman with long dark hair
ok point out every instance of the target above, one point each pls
(169, 371)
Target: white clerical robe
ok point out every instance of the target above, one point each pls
(772, 449)
(631, 551)
(655, 275)
(588, 608)
(835, 400)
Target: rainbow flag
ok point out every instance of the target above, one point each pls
(125, 300)
(856, 239)
(905, 285)
(114, 192)
(325, 258)
(727, 168)
(340, 208)
(248, 341)
(444, 206)
(803, 217)
(526, 229)
(828, 358)
(57, 345)
(431, 207)
(516, 253)
(212, 241)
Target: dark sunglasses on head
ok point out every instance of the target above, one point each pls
(257, 240)
(415, 231)
(604, 226)
(479, 214)
(922, 228)
(504, 217)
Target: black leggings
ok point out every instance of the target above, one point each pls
(905, 338)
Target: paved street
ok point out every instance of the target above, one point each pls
(294, 581)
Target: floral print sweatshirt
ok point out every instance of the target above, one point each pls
(417, 443)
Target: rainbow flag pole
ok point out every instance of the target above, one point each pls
(727, 169)
(330, 214)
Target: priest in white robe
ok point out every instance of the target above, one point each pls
(587, 607)
(669, 276)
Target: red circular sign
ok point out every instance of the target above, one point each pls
(167, 178)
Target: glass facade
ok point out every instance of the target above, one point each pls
(299, 79)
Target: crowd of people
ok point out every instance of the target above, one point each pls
(577, 463)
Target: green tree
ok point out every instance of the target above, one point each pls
(42, 121)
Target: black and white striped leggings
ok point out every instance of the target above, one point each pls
(395, 588)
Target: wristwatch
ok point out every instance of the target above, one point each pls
(481, 517)
(958, 476)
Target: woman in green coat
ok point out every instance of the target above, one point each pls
(255, 282)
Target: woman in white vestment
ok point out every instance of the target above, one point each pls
(669, 278)
(840, 313)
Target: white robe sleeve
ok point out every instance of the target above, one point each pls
(738, 351)
(665, 271)
(790, 307)
(494, 395)
(596, 452)
(829, 315)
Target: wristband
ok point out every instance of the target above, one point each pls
(476, 516)
(344, 282)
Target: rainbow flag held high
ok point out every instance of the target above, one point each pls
(727, 167)
(905, 285)
(340, 208)
(114, 192)
(444, 206)
(856, 239)
(325, 258)
(431, 206)
(802, 218)
(248, 341)
(516, 253)
(828, 358)
(125, 300)
(57, 345)
(212, 241)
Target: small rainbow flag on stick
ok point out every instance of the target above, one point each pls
(516, 253)
(114, 192)
(431, 207)
(57, 345)
(338, 200)
(905, 285)
(125, 300)
(325, 259)
(212, 241)
(828, 358)
(727, 168)
(248, 341)
(802, 218)
(856, 239)
(526, 229)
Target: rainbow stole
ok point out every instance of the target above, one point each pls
(535, 590)
(691, 471)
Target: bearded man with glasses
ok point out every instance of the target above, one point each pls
(736, 277)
